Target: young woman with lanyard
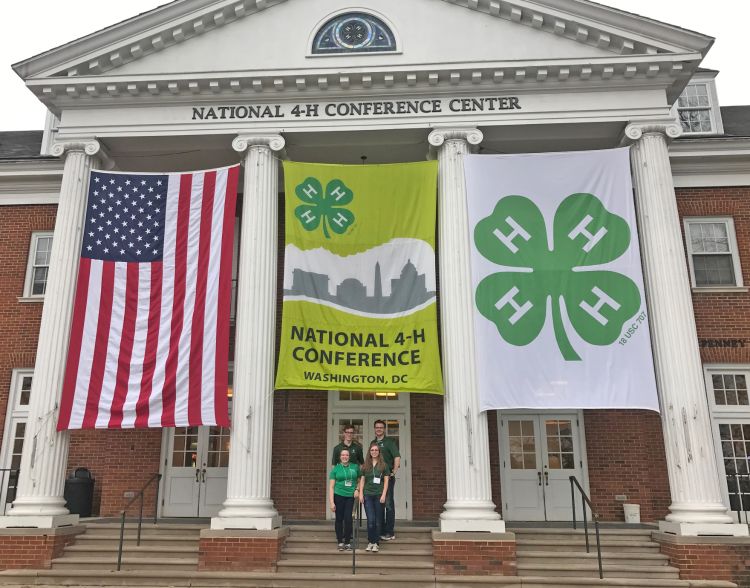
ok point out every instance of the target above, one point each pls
(373, 489)
(342, 490)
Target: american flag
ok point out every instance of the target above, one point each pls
(149, 341)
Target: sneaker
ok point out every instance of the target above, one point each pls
(387, 537)
(341, 547)
(369, 547)
(348, 546)
(375, 548)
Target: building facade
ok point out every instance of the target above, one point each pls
(202, 83)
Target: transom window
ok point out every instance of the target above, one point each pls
(353, 32)
(712, 252)
(38, 265)
(360, 396)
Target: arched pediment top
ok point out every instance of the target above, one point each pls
(353, 31)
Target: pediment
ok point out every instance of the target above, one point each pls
(231, 45)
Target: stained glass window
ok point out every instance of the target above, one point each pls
(353, 32)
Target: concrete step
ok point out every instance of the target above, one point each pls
(133, 562)
(579, 544)
(154, 540)
(582, 569)
(326, 529)
(609, 534)
(144, 551)
(144, 579)
(329, 537)
(146, 528)
(369, 563)
(332, 554)
(608, 558)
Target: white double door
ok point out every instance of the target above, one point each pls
(539, 453)
(195, 471)
(397, 428)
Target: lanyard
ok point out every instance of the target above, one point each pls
(346, 470)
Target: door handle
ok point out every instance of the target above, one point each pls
(197, 474)
(203, 475)
(539, 475)
(546, 478)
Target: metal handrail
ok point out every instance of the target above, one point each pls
(355, 537)
(140, 515)
(740, 506)
(585, 500)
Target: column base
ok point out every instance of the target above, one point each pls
(471, 516)
(38, 521)
(704, 529)
(257, 523)
(244, 513)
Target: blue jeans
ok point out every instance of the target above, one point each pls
(388, 518)
(343, 525)
(374, 511)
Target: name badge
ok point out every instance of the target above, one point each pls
(347, 483)
(376, 480)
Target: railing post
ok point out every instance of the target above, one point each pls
(122, 539)
(573, 501)
(585, 522)
(598, 546)
(140, 521)
(156, 496)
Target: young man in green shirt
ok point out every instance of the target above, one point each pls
(392, 458)
(355, 449)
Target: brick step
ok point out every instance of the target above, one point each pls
(608, 557)
(332, 554)
(571, 544)
(383, 565)
(132, 562)
(580, 569)
(181, 579)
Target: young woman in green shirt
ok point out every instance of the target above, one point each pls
(373, 489)
(342, 490)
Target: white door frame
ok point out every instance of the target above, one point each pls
(15, 413)
(381, 409)
(577, 414)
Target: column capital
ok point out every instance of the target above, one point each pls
(635, 130)
(89, 146)
(439, 136)
(242, 143)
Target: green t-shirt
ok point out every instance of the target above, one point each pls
(373, 488)
(388, 449)
(355, 453)
(346, 478)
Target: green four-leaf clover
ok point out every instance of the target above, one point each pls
(598, 302)
(324, 207)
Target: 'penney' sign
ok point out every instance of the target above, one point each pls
(357, 109)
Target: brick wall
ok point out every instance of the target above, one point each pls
(21, 550)
(476, 554)
(427, 457)
(300, 462)
(19, 321)
(709, 558)
(119, 461)
(722, 315)
(236, 551)
(626, 456)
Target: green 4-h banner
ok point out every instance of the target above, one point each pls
(359, 307)
(560, 313)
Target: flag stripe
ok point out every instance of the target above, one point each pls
(137, 356)
(148, 413)
(204, 250)
(101, 343)
(224, 297)
(74, 353)
(129, 300)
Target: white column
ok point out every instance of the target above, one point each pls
(467, 459)
(248, 504)
(39, 502)
(697, 506)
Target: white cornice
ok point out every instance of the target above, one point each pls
(718, 161)
(30, 181)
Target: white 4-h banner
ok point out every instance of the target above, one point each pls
(560, 314)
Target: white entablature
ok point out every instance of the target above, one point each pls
(207, 50)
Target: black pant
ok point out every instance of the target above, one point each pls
(344, 505)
